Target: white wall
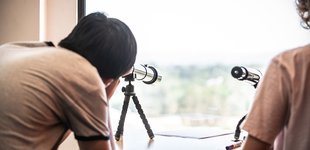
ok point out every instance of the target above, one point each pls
(21, 21)
(61, 17)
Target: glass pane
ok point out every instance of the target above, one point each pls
(194, 44)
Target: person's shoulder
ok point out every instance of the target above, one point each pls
(290, 57)
(74, 63)
(300, 49)
(74, 73)
(70, 57)
(293, 52)
(27, 44)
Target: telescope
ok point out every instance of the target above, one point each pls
(246, 74)
(146, 73)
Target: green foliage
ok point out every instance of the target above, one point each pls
(208, 90)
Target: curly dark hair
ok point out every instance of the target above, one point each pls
(303, 7)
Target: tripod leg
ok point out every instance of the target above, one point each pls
(120, 128)
(143, 117)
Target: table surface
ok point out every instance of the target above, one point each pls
(179, 139)
(138, 140)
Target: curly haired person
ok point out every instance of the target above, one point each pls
(279, 117)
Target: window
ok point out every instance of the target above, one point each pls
(194, 44)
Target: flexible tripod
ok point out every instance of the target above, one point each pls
(238, 129)
(129, 92)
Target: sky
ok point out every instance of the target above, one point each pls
(202, 32)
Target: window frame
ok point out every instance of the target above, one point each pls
(81, 8)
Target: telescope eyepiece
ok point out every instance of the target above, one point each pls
(147, 74)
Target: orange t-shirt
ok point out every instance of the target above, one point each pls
(46, 92)
(281, 108)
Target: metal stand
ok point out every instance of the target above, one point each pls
(129, 92)
(238, 130)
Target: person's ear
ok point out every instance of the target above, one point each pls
(128, 72)
(107, 81)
